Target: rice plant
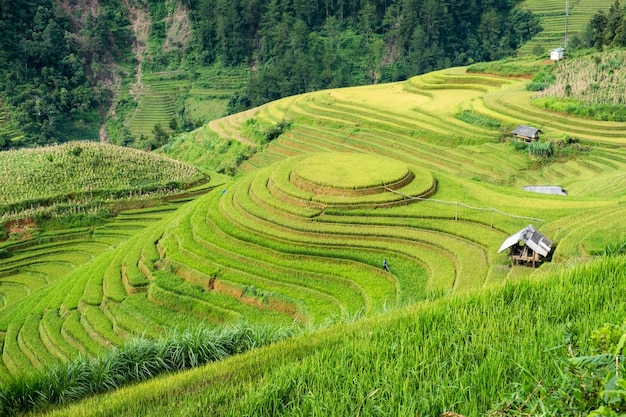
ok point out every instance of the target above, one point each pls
(465, 355)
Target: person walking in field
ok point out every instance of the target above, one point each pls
(385, 266)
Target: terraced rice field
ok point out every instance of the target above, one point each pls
(415, 122)
(33, 335)
(257, 251)
(552, 16)
(202, 97)
(158, 102)
(210, 92)
(364, 174)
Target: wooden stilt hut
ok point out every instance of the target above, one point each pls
(527, 247)
(527, 133)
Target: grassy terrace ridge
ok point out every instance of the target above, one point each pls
(275, 246)
(350, 171)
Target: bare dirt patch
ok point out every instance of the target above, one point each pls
(21, 229)
(178, 29)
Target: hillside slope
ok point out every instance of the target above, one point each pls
(552, 15)
(86, 70)
(42, 181)
(462, 356)
(129, 66)
(282, 244)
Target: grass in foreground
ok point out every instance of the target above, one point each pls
(138, 360)
(466, 354)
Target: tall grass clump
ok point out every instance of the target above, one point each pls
(479, 120)
(540, 149)
(262, 132)
(541, 80)
(138, 360)
(592, 381)
(615, 249)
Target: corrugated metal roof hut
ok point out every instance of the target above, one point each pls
(527, 247)
(528, 133)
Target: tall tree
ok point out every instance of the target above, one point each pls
(598, 26)
(613, 22)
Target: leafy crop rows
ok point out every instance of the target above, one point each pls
(84, 172)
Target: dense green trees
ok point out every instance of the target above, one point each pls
(297, 46)
(41, 68)
(604, 30)
(51, 66)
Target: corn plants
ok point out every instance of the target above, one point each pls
(84, 171)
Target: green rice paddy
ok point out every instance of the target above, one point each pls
(350, 171)
(364, 174)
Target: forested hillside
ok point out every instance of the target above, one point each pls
(63, 63)
(302, 46)
(56, 71)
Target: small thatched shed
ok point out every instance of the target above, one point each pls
(528, 133)
(527, 247)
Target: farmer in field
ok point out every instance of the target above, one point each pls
(385, 266)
